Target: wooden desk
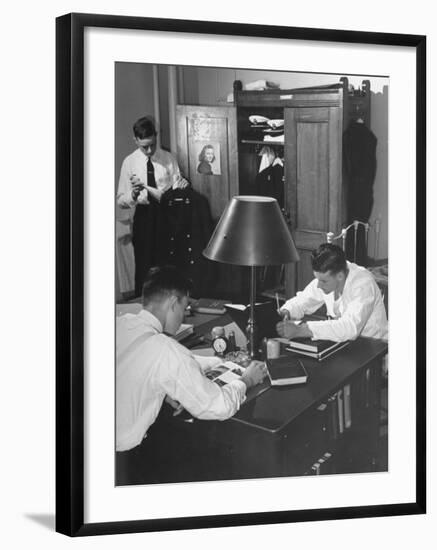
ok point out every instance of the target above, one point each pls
(285, 431)
(288, 431)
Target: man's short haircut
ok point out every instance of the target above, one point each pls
(144, 128)
(165, 281)
(328, 257)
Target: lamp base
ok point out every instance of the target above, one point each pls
(252, 340)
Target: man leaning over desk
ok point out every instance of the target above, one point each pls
(152, 366)
(353, 301)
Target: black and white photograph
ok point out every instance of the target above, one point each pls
(252, 313)
(209, 159)
(217, 297)
(236, 354)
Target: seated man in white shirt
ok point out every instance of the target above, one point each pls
(151, 365)
(353, 301)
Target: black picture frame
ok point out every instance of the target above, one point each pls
(70, 289)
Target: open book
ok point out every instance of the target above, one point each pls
(225, 373)
(229, 371)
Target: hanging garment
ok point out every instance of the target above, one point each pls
(359, 169)
(267, 157)
(184, 229)
(270, 182)
(124, 253)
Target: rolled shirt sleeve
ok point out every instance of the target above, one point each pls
(305, 302)
(174, 172)
(124, 193)
(352, 321)
(207, 363)
(202, 398)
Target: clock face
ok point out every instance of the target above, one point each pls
(220, 344)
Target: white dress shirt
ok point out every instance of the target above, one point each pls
(359, 311)
(167, 175)
(150, 368)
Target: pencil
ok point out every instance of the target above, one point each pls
(277, 300)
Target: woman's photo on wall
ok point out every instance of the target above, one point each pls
(209, 159)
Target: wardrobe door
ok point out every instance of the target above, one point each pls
(207, 152)
(313, 190)
(214, 174)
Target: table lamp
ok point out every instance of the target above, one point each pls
(252, 232)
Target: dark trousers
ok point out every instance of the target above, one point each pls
(175, 450)
(165, 455)
(144, 240)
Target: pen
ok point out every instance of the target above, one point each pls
(277, 301)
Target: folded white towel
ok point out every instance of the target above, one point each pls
(279, 138)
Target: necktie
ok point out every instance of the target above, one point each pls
(150, 174)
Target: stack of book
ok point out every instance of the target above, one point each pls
(318, 349)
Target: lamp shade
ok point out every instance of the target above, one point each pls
(252, 231)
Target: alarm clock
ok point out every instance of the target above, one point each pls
(220, 345)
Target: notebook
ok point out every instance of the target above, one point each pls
(266, 318)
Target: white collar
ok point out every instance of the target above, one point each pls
(150, 319)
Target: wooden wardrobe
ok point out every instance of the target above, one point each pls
(311, 152)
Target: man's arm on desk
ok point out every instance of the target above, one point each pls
(184, 382)
(289, 329)
(306, 302)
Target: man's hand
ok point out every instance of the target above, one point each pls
(178, 408)
(254, 374)
(136, 186)
(181, 183)
(284, 313)
(286, 329)
(289, 329)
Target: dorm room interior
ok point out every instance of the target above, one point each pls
(318, 144)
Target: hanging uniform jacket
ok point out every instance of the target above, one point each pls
(270, 183)
(185, 227)
(359, 163)
(359, 169)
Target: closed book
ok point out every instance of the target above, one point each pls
(307, 344)
(318, 349)
(285, 370)
(208, 305)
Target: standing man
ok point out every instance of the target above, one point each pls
(353, 301)
(146, 174)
